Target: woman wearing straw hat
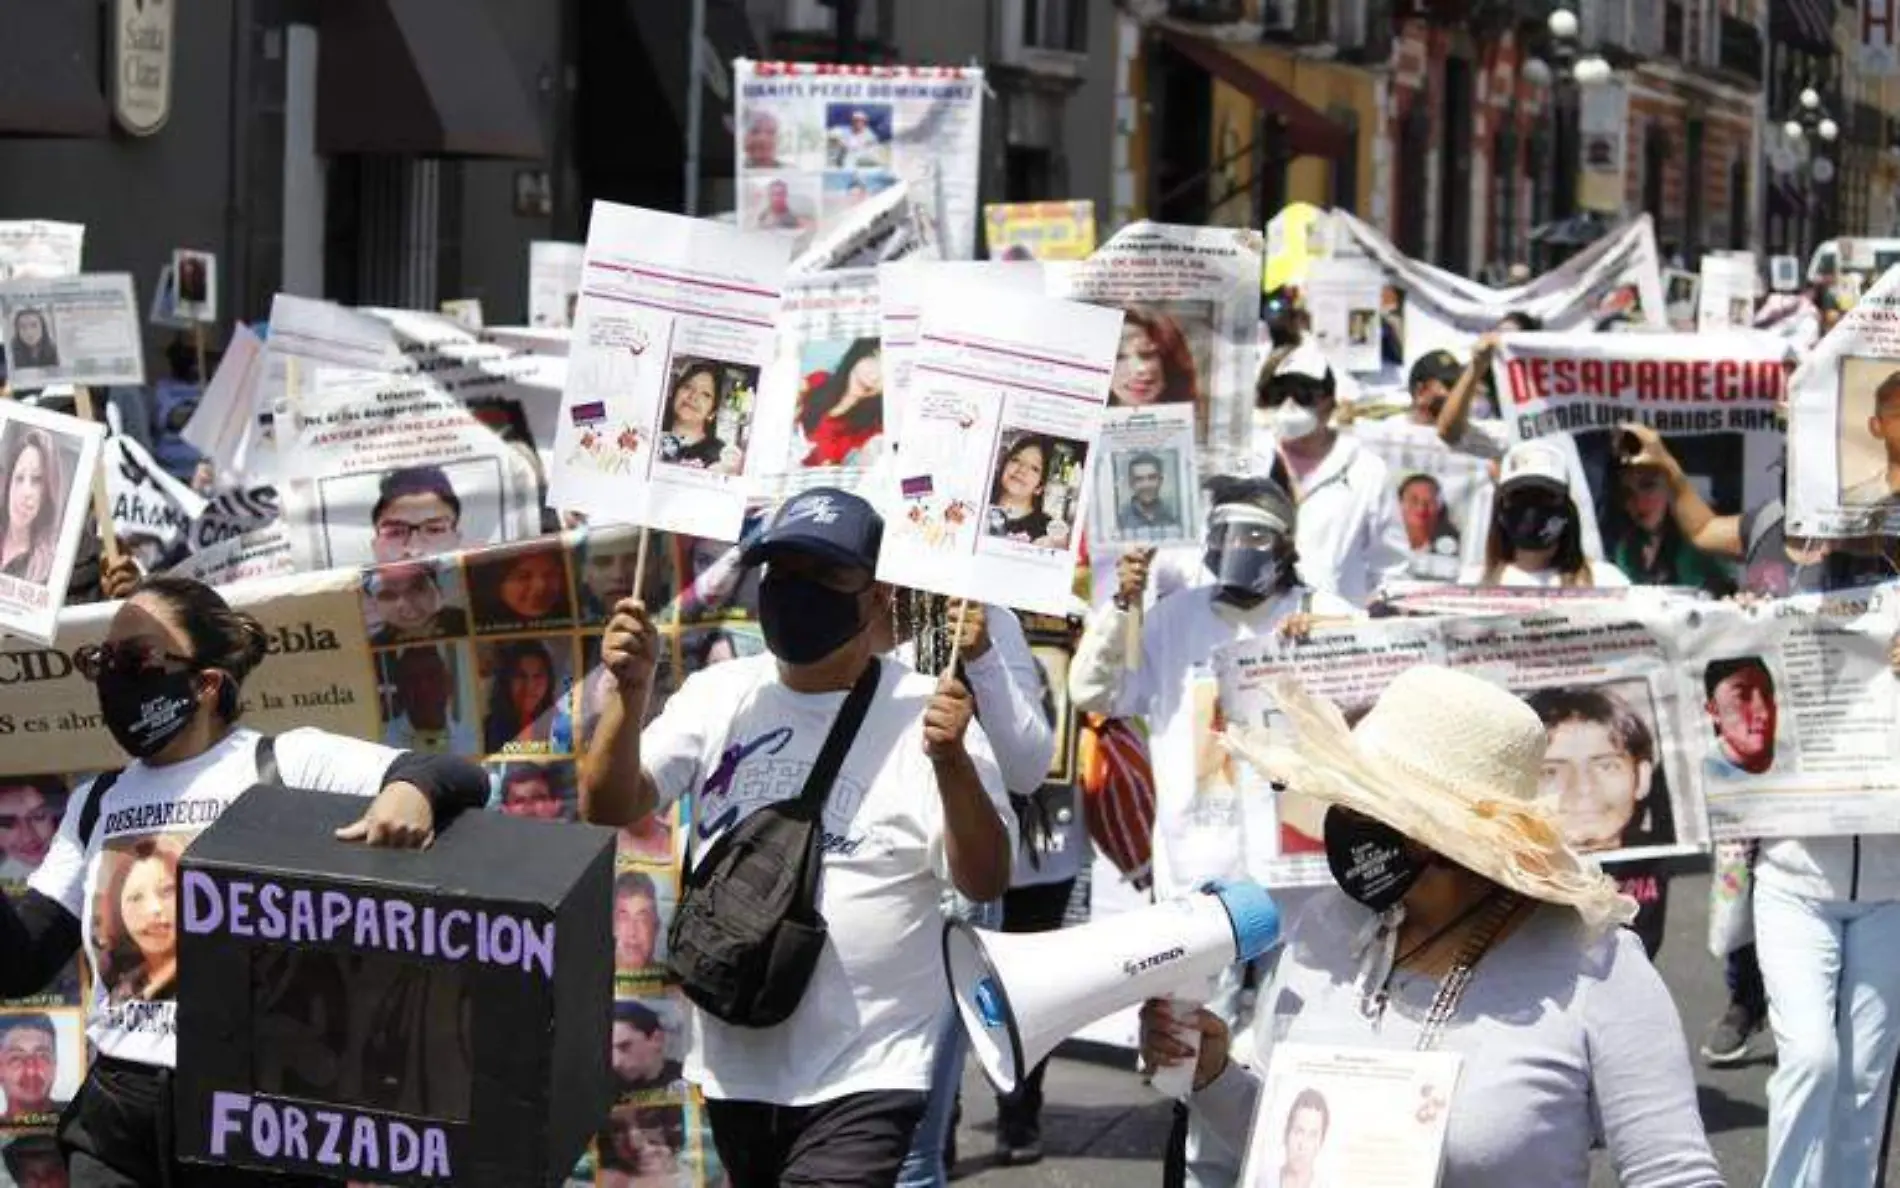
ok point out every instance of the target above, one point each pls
(1465, 925)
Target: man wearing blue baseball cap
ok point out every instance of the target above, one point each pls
(832, 1094)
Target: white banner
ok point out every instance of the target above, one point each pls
(34, 249)
(554, 282)
(1844, 424)
(148, 504)
(72, 330)
(816, 141)
(999, 434)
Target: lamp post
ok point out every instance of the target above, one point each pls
(1811, 127)
(1563, 78)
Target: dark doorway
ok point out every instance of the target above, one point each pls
(1181, 133)
(1692, 216)
(1454, 169)
(1413, 143)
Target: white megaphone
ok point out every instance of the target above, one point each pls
(1021, 994)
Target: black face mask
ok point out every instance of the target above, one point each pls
(1370, 860)
(1533, 525)
(804, 621)
(146, 711)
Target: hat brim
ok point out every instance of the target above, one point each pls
(1546, 482)
(763, 550)
(1515, 844)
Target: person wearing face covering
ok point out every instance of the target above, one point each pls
(833, 1094)
(1536, 535)
(168, 678)
(1349, 538)
(1255, 590)
(1462, 924)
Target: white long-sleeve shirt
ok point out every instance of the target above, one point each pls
(1348, 534)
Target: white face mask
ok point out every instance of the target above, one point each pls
(1291, 421)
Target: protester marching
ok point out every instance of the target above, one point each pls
(1293, 669)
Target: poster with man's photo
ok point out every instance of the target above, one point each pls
(814, 143)
(988, 497)
(42, 1062)
(1711, 399)
(74, 330)
(1147, 486)
(1351, 1115)
(1440, 496)
(47, 462)
(1792, 707)
(821, 410)
(1192, 300)
(1844, 424)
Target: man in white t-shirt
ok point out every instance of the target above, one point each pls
(832, 1095)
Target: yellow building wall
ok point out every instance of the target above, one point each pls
(1321, 85)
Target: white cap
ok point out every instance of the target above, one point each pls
(1305, 359)
(1535, 462)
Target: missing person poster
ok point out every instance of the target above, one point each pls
(152, 512)
(816, 141)
(35, 249)
(1712, 400)
(1844, 424)
(1039, 230)
(1791, 709)
(1617, 770)
(554, 283)
(1343, 297)
(1727, 292)
(904, 285)
(1371, 1118)
(194, 285)
(71, 330)
(1441, 496)
(822, 412)
(1681, 298)
(678, 315)
(1000, 430)
(1192, 303)
(47, 462)
(1148, 485)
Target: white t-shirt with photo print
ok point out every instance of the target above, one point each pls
(738, 739)
(166, 808)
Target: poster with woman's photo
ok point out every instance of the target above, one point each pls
(1333, 1117)
(646, 1146)
(74, 330)
(527, 694)
(47, 461)
(1000, 428)
(195, 285)
(821, 408)
(1192, 295)
(1439, 496)
(1147, 488)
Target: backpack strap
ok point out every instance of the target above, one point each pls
(267, 760)
(89, 811)
(844, 731)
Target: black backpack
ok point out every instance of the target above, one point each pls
(89, 812)
(747, 933)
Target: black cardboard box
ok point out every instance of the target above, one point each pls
(403, 1017)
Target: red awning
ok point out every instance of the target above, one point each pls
(1308, 133)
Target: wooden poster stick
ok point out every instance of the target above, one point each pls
(640, 568)
(101, 499)
(956, 641)
(198, 342)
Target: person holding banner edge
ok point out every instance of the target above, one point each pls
(169, 675)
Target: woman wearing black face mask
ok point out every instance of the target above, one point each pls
(1463, 925)
(168, 677)
(1536, 536)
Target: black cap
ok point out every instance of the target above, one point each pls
(1442, 366)
(824, 522)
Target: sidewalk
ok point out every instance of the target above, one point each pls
(1101, 1128)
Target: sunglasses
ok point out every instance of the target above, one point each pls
(128, 659)
(1304, 393)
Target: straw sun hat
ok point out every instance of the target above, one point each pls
(1451, 762)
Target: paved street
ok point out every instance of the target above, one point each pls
(1104, 1129)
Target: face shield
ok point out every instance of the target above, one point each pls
(1248, 549)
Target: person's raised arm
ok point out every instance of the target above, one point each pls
(614, 788)
(1455, 415)
(1099, 680)
(1007, 685)
(976, 843)
(1717, 535)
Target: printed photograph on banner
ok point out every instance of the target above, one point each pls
(413, 602)
(1147, 489)
(134, 921)
(1165, 349)
(840, 415)
(649, 1050)
(1869, 441)
(32, 1160)
(195, 275)
(1339, 1116)
(75, 330)
(643, 1146)
(412, 513)
(46, 463)
(428, 699)
(650, 842)
(1035, 490)
(713, 584)
(538, 791)
(31, 808)
(1603, 769)
(846, 189)
(42, 1062)
(707, 418)
(858, 135)
(607, 561)
(703, 647)
(1742, 716)
(1622, 305)
(775, 139)
(644, 901)
(520, 588)
(527, 690)
(784, 203)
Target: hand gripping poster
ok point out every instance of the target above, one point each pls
(816, 141)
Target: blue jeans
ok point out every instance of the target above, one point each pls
(923, 1167)
(1832, 969)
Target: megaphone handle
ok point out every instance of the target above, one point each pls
(1177, 1080)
